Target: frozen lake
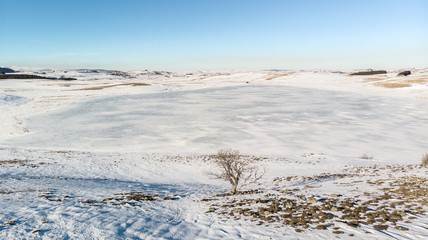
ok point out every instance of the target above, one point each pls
(262, 120)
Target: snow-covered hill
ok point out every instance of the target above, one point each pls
(123, 155)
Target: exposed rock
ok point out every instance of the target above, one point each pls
(119, 73)
(66, 79)
(207, 199)
(380, 227)
(402, 228)
(89, 201)
(388, 207)
(10, 222)
(404, 73)
(88, 71)
(322, 227)
(353, 224)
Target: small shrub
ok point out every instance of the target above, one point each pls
(424, 162)
(237, 169)
(366, 157)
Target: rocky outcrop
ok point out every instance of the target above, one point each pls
(404, 73)
(120, 73)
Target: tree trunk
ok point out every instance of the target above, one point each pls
(234, 189)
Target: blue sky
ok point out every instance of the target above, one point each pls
(214, 34)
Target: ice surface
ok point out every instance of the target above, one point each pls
(266, 120)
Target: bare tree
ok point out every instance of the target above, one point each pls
(237, 169)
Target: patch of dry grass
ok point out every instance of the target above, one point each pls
(371, 72)
(114, 85)
(373, 79)
(21, 163)
(64, 84)
(2, 191)
(420, 80)
(392, 84)
(272, 76)
(10, 162)
(215, 75)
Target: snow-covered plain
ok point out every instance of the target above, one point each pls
(66, 142)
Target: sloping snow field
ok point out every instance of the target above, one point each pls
(105, 158)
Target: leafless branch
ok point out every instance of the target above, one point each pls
(237, 169)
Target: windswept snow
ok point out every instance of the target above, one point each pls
(43, 195)
(65, 146)
(7, 99)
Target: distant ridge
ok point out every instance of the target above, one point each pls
(29, 76)
(86, 70)
(6, 70)
(371, 72)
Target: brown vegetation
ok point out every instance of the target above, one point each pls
(215, 75)
(272, 76)
(114, 85)
(392, 84)
(366, 157)
(424, 162)
(373, 79)
(420, 80)
(368, 73)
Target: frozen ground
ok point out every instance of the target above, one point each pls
(256, 120)
(130, 137)
(59, 195)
